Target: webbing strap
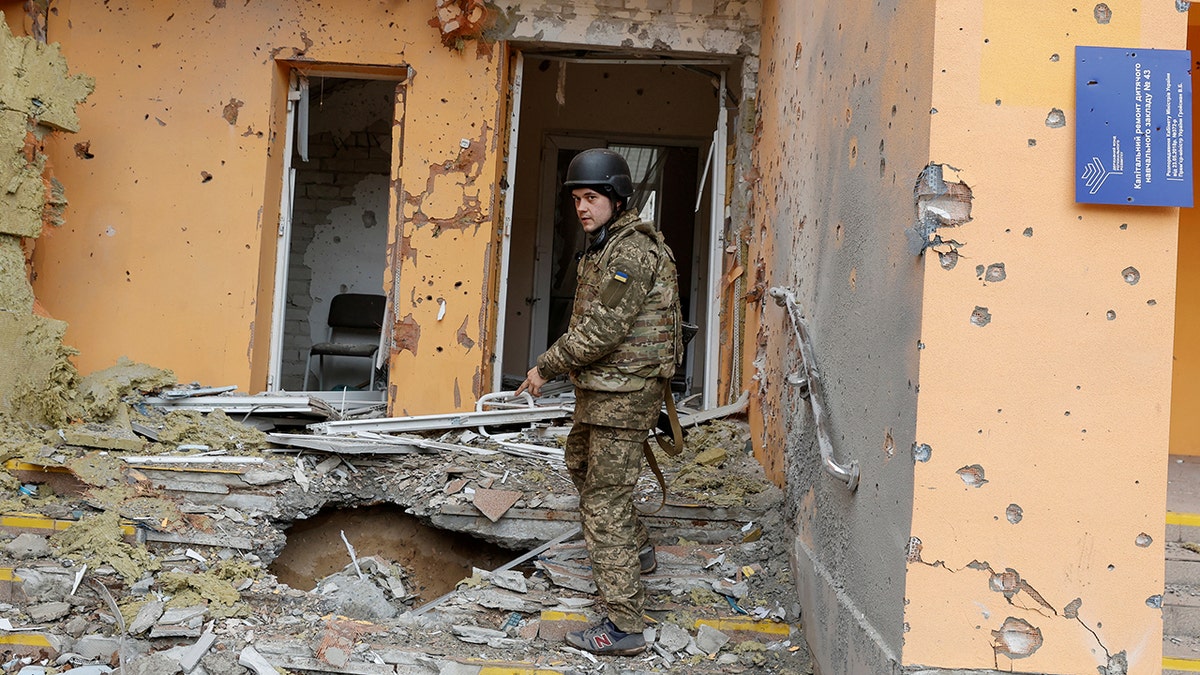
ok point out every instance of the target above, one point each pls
(671, 446)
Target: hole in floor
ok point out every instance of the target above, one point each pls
(436, 560)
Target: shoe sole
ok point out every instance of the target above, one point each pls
(633, 651)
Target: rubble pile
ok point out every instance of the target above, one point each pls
(140, 537)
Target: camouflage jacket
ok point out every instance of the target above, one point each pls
(625, 324)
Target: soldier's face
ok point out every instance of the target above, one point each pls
(593, 208)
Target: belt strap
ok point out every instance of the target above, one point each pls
(671, 446)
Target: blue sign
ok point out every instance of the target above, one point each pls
(1133, 139)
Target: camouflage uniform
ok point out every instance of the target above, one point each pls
(620, 350)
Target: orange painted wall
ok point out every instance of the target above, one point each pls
(1050, 382)
(1185, 388)
(161, 263)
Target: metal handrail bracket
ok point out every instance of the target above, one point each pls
(815, 395)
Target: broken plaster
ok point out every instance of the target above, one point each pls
(37, 96)
(939, 204)
(460, 21)
(1017, 638)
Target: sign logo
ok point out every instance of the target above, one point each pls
(1094, 175)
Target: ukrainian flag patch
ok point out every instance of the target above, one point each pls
(621, 277)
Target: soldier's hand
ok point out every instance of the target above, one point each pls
(533, 383)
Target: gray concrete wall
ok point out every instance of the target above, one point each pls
(701, 26)
(844, 104)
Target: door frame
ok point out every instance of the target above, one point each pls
(297, 115)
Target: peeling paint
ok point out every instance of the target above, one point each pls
(230, 111)
(939, 204)
(462, 20)
(921, 452)
(463, 338)
(1118, 664)
(1056, 119)
(1071, 611)
(980, 316)
(1016, 639)
(1014, 513)
(972, 476)
(1102, 13)
(913, 550)
(407, 334)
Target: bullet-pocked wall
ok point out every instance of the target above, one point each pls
(1042, 422)
(175, 181)
(843, 130)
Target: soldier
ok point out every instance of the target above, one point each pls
(620, 349)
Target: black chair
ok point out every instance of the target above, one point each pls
(350, 315)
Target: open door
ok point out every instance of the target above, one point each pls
(337, 208)
(569, 103)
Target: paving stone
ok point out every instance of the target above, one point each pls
(49, 611)
(250, 658)
(158, 663)
(45, 584)
(673, 637)
(357, 598)
(498, 599)
(28, 545)
(512, 580)
(97, 647)
(147, 616)
(710, 640)
(181, 615)
(495, 503)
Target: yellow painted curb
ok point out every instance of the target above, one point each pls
(27, 521)
(1188, 665)
(18, 465)
(555, 615)
(508, 668)
(753, 625)
(9, 574)
(25, 640)
(1188, 519)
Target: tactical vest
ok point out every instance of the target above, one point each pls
(653, 347)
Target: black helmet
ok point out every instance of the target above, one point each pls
(600, 166)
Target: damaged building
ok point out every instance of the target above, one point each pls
(951, 396)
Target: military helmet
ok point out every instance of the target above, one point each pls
(600, 167)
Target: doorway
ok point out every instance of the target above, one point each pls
(333, 238)
(660, 115)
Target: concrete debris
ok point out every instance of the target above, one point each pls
(185, 524)
(508, 579)
(494, 503)
(709, 640)
(28, 545)
(250, 658)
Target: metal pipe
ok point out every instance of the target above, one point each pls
(846, 474)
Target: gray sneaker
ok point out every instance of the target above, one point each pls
(647, 560)
(605, 639)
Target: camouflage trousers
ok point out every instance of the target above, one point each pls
(604, 463)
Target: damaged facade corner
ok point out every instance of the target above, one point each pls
(37, 98)
(939, 204)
